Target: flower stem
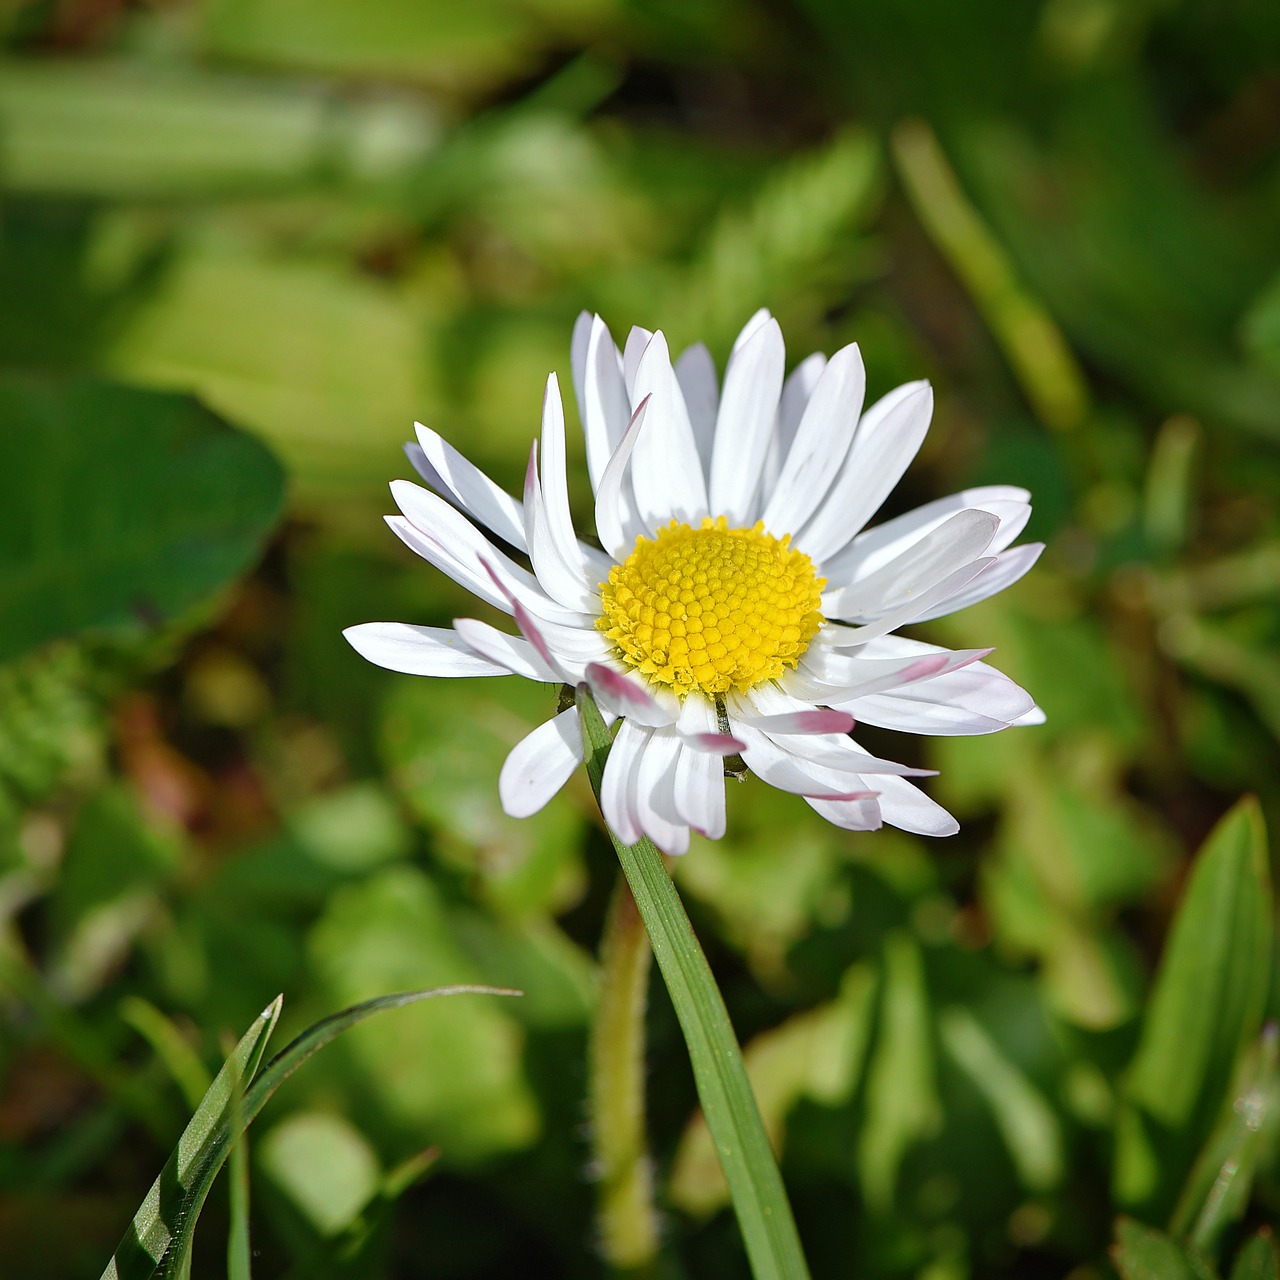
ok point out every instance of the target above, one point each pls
(627, 1218)
(755, 1185)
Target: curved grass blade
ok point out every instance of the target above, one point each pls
(159, 1220)
(160, 1236)
(755, 1185)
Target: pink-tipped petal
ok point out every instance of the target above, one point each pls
(716, 744)
(626, 695)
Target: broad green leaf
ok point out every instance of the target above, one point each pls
(396, 927)
(1143, 1253)
(1206, 1006)
(755, 1185)
(1258, 1259)
(326, 365)
(120, 508)
(120, 129)
(324, 1164)
(525, 867)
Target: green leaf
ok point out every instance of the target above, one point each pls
(1143, 1253)
(294, 350)
(161, 1232)
(120, 129)
(120, 508)
(1206, 1007)
(1217, 1192)
(902, 1106)
(1258, 1259)
(167, 1215)
(759, 1198)
(1022, 1113)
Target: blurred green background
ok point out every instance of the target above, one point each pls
(244, 243)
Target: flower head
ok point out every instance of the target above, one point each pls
(736, 603)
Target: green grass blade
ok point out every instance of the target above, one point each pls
(164, 1214)
(160, 1237)
(1205, 1010)
(755, 1185)
(239, 1264)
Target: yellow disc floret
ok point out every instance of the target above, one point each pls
(712, 609)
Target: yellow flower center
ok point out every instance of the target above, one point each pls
(712, 609)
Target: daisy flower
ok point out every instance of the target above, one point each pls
(733, 602)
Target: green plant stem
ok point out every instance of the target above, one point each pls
(627, 1218)
(755, 1185)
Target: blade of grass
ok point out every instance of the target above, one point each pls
(755, 1185)
(163, 1214)
(160, 1235)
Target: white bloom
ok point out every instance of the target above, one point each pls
(736, 604)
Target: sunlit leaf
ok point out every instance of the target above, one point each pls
(1206, 1007)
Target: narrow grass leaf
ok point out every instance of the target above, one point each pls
(162, 1218)
(755, 1185)
(1205, 1009)
(1258, 1259)
(1217, 1192)
(1143, 1253)
(160, 1237)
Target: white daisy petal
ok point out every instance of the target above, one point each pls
(445, 537)
(617, 525)
(753, 326)
(469, 487)
(796, 391)
(782, 768)
(696, 373)
(513, 653)
(1003, 572)
(602, 398)
(637, 340)
(420, 651)
(540, 764)
(844, 637)
(961, 539)
(555, 488)
(699, 793)
(557, 560)
(888, 437)
(654, 794)
(862, 814)
(748, 408)
(834, 677)
(666, 474)
(822, 442)
(876, 547)
(617, 788)
(699, 726)
(908, 808)
(974, 699)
